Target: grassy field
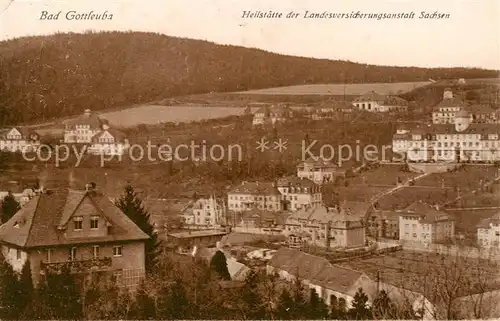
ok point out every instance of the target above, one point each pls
(466, 178)
(383, 175)
(466, 221)
(408, 195)
(340, 89)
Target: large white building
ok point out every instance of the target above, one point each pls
(488, 232)
(374, 102)
(298, 192)
(426, 224)
(95, 132)
(254, 195)
(462, 142)
(19, 139)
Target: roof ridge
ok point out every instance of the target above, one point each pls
(26, 242)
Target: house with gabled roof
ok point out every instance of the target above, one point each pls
(336, 284)
(337, 226)
(299, 192)
(109, 142)
(20, 139)
(375, 102)
(78, 229)
(444, 112)
(83, 128)
(424, 223)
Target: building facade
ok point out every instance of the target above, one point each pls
(426, 224)
(96, 133)
(80, 230)
(329, 226)
(488, 232)
(317, 170)
(298, 193)
(374, 102)
(272, 115)
(19, 139)
(255, 195)
(445, 111)
(206, 212)
(462, 142)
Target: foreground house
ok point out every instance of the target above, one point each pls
(339, 226)
(19, 139)
(426, 224)
(374, 102)
(488, 232)
(82, 230)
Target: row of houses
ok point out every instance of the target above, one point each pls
(87, 129)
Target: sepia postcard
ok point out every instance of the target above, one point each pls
(249, 160)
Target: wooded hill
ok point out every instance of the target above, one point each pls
(45, 77)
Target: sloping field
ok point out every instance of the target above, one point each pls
(407, 195)
(466, 178)
(340, 89)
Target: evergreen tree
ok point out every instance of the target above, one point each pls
(252, 300)
(219, 265)
(360, 310)
(8, 291)
(285, 306)
(383, 307)
(63, 295)
(25, 292)
(299, 301)
(179, 303)
(145, 305)
(132, 206)
(317, 309)
(9, 207)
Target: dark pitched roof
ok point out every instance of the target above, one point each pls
(89, 119)
(295, 181)
(117, 135)
(481, 109)
(347, 212)
(317, 270)
(485, 223)
(39, 219)
(428, 213)
(451, 102)
(256, 188)
(279, 218)
(370, 96)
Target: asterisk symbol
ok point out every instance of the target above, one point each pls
(262, 145)
(280, 145)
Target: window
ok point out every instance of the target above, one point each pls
(94, 222)
(78, 223)
(18, 255)
(95, 251)
(50, 252)
(72, 254)
(117, 250)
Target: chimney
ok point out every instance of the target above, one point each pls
(90, 187)
(71, 180)
(87, 112)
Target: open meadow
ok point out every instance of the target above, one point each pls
(340, 89)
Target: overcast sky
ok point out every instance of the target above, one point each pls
(470, 37)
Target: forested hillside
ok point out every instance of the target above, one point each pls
(63, 74)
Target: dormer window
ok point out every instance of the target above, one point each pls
(94, 222)
(78, 223)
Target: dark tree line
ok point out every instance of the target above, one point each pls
(50, 76)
